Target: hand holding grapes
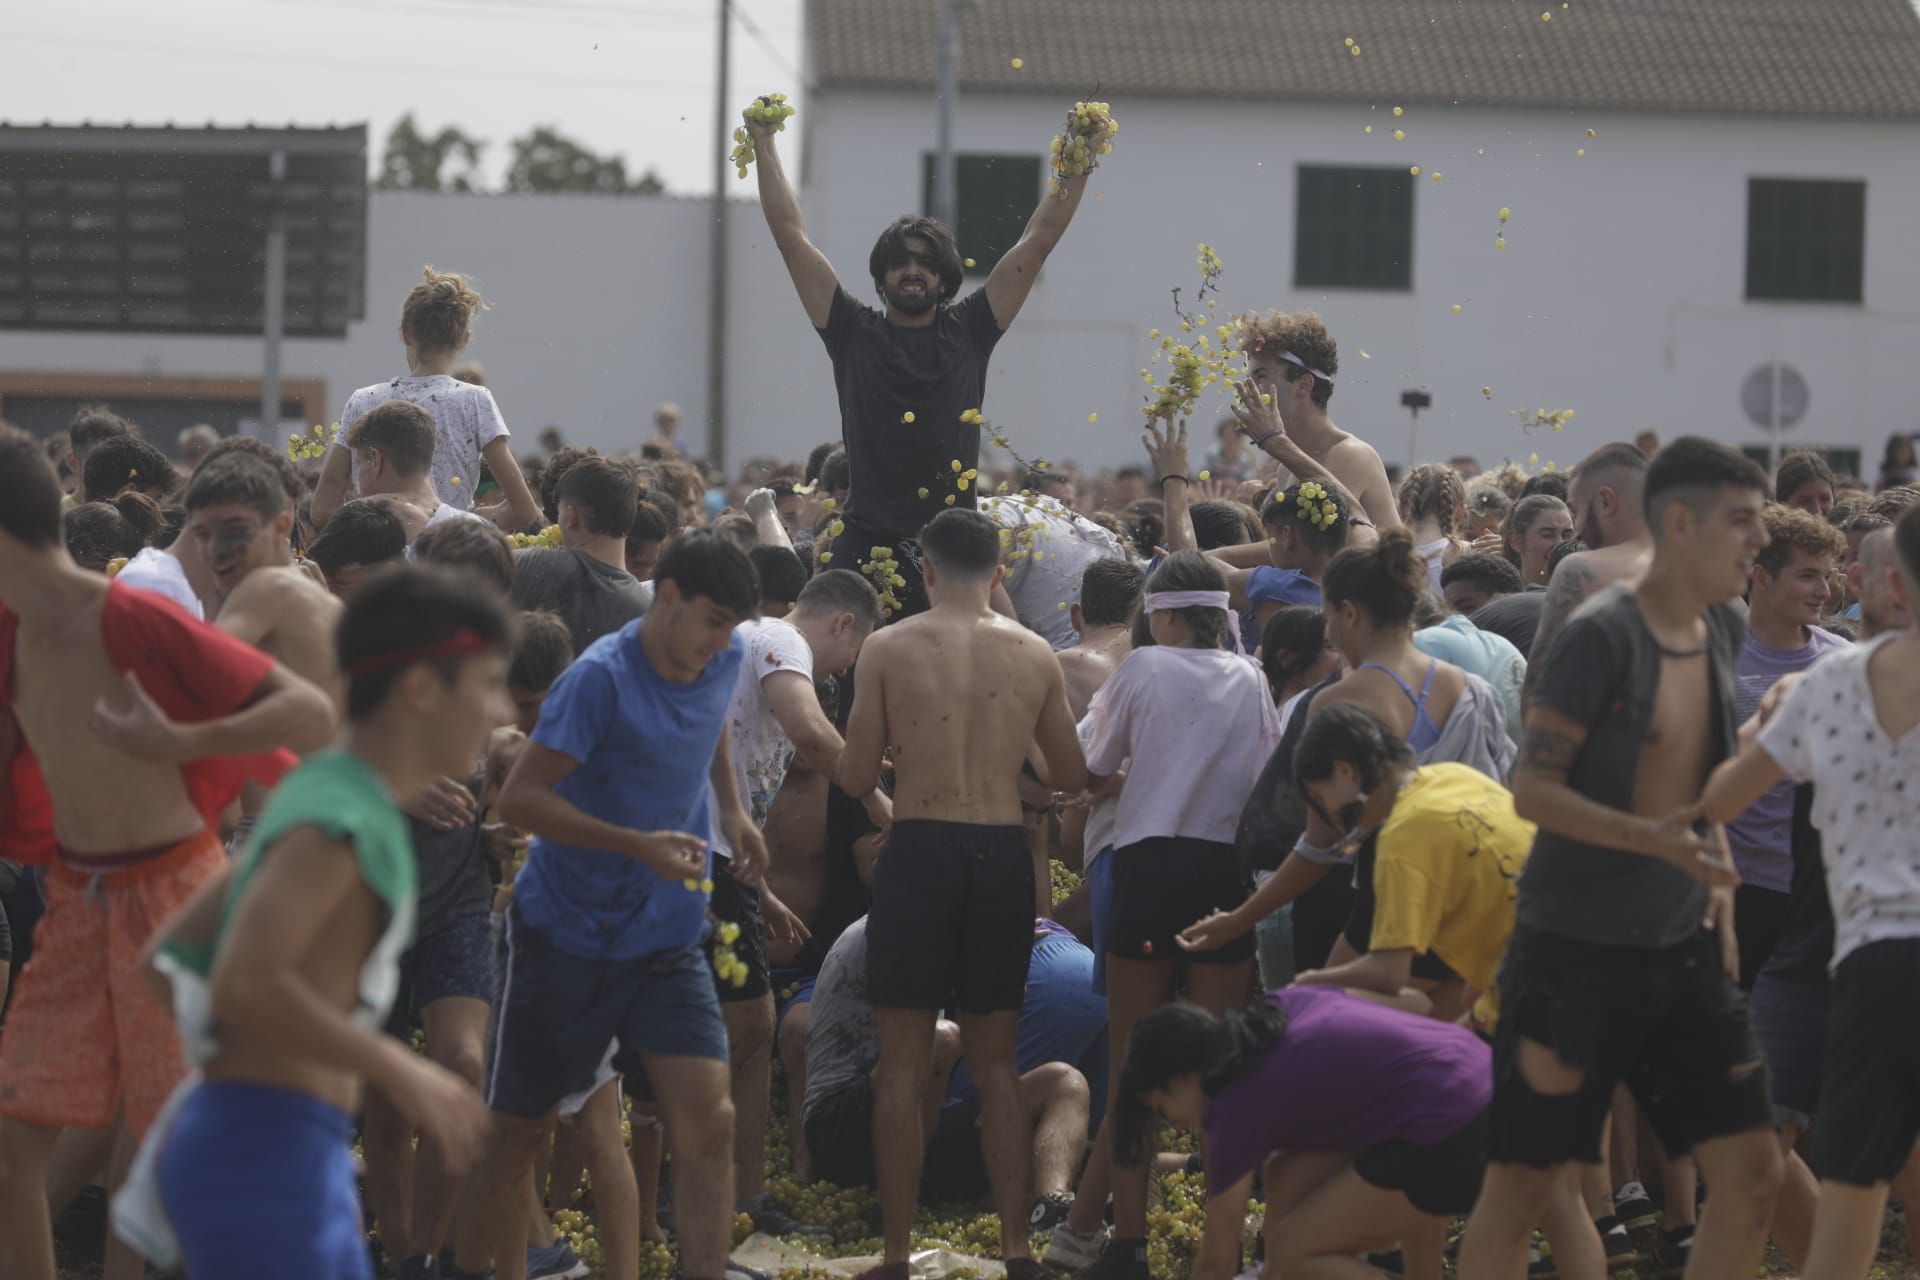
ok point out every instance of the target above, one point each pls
(765, 116)
(1257, 412)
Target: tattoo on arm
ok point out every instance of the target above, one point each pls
(1548, 751)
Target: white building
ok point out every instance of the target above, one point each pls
(1748, 196)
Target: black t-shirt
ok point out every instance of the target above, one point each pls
(1515, 618)
(883, 372)
(1805, 947)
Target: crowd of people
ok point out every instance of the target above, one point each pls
(1443, 845)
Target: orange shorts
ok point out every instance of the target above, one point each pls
(85, 1031)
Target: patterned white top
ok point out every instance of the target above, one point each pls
(468, 419)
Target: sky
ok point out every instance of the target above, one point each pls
(633, 77)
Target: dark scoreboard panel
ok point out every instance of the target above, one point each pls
(164, 230)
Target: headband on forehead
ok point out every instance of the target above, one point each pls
(464, 641)
(1296, 361)
(1161, 601)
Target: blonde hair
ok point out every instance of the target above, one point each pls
(438, 313)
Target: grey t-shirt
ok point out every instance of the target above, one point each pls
(842, 1043)
(1603, 672)
(594, 597)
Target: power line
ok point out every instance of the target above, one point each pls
(760, 37)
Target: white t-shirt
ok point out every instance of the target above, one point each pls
(1103, 813)
(468, 419)
(441, 514)
(761, 751)
(156, 571)
(1048, 576)
(1866, 797)
(1205, 725)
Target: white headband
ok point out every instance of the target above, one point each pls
(1293, 359)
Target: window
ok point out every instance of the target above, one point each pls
(1806, 241)
(993, 197)
(1353, 228)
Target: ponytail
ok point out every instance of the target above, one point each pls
(1384, 580)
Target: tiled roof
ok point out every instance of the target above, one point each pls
(1802, 58)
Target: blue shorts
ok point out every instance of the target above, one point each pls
(1061, 1020)
(455, 962)
(791, 987)
(1100, 897)
(258, 1180)
(559, 1011)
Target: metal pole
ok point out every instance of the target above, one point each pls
(1413, 440)
(1773, 434)
(274, 311)
(946, 92)
(717, 267)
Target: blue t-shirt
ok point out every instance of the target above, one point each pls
(644, 746)
(1268, 585)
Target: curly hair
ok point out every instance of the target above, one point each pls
(1435, 490)
(1789, 529)
(438, 313)
(1302, 334)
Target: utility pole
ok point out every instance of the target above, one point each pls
(946, 92)
(273, 318)
(717, 266)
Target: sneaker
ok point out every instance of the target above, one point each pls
(1619, 1245)
(1541, 1266)
(555, 1262)
(1120, 1260)
(1393, 1264)
(1671, 1249)
(1049, 1211)
(1634, 1207)
(421, 1266)
(771, 1219)
(1071, 1250)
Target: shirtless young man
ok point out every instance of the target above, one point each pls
(293, 956)
(961, 693)
(1110, 594)
(1607, 499)
(906, 376)
(1294, 359)
(1609, 976)
(172, 702)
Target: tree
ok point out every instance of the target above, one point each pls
(414, 161)
(547, 160)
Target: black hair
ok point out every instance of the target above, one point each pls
(1522, 517)
(891, 248)
(1193, 571)
(962, 543)
(1551, 483)
(1695, 471)
(472, 546)
(648, 524)
(1496, 573)
(98, 533)
(542, 649)
(841, 591)
(1217, 524)
(123, 462)
(1147, 518)
(1287, 509)
(563, 461)
(1110, 592)
(1385, 580)
(405, 609)
(290, 478)
(403, 432)
(93, 425)
(1797, 469)
(836, 472)
(362, 532)
(1293, 640)
(605, 492)
(238, 478)
(816, 458)
(1183, 1039)
(704, 563)
(1618, 456)
(782, 576)
(1348, 733)
(29, 490)
(1561, 552)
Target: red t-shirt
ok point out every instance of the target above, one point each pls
(193, 670)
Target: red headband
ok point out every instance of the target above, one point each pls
(465, 640)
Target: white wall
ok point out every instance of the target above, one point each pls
(1619, 294)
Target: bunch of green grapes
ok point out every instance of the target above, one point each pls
(1077, 149)
(1065, 881)
(314, 444)
(885, 572)
(1194, 363)
(770, 110)
(726, 961)
(547, 537)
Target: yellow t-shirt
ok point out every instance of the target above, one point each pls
(1447, 865)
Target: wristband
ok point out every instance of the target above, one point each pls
(1175, 476)
(1261, 442)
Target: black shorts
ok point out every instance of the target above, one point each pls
(1870, 1095)
(1665, 1022)
(839, 1131)
(1359, 928)
(736, 903)
(853, 549)
(1762, 916)
(456, 961)
(952, 919)
(1441, 1178)
(1164, 884)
